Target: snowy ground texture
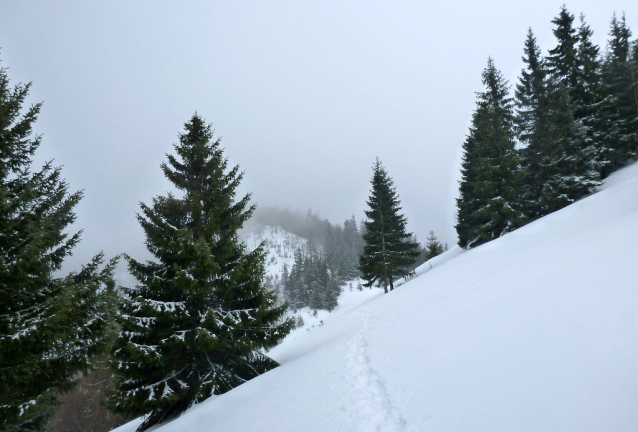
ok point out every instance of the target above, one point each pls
(536, 331)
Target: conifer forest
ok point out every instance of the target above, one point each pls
(227, 279)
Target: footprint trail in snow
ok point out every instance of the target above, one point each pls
(371, 408)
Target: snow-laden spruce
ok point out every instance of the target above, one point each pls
(51, 326)
(197, 322)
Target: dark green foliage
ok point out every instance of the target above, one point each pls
(557, 157)
(467, 204)
(50, 327)
(488, 206)
(618, 112)
(311, 283)
(562, 61)
(587, 94)
(433, 247)
(576, 121)
(388, 253)
(567, 162)
(197, 321)
(633, 72)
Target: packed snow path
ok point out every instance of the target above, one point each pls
(536, 331)
(365, 394)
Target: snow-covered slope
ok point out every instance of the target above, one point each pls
(280, 246)
(536, 331)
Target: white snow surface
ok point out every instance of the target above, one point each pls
(535, 331)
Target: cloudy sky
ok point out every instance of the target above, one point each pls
(304, 93)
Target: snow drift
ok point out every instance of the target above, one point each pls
(536, 331)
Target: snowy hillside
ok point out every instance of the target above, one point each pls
(280, 246)
(536, 331)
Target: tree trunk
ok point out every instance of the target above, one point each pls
(391, 284)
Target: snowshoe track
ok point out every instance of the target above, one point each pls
(372, 409)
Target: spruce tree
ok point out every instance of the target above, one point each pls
(298, 294)
(51, 326)
(316, 283)
(557, 158)
(619, 108)
(488, 206)
(569, 168)
(333, 290)
(562, 61)
(197, 322)
(467, 203)
(498, 167)
(388, 253)
(587, 95)
(433, 247)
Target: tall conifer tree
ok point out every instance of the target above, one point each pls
(388, 252)
(588, 93)
(50, 326)
(557, 157)
(468, 203)
(196, 323)
(493, 172)
(562, 62)
(619, 107)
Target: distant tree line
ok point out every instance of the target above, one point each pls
(310, 283)
(339, 245)
(330, 258)
(572, 121)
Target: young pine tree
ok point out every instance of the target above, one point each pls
(197, 321)
(433, 247)
(488, 206)
(388, 252)
(51, 326)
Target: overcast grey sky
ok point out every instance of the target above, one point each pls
(304, 93)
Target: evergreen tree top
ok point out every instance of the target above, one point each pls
(495, 101)
(195, 324)
(586, 52)
(618, 43)
(532, 77)
(562, 58)
(388, 252)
